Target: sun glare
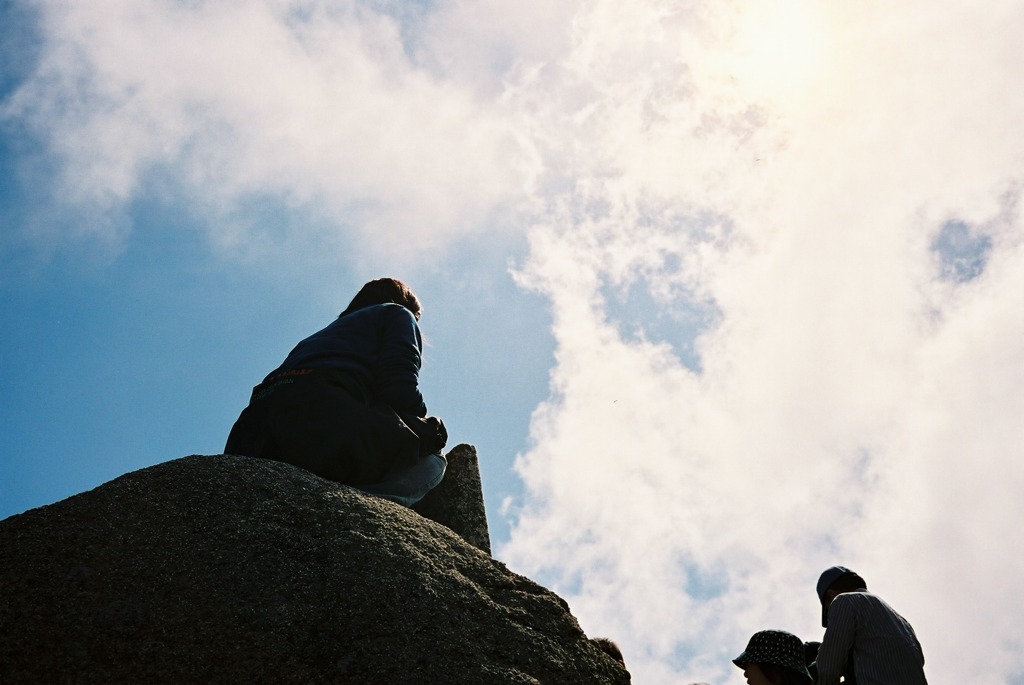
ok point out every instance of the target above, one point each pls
(779, 49)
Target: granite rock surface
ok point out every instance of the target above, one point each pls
(220, 569)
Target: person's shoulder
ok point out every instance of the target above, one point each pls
(852, 598)
(386, 309)
(863, 599)
(388, 315)
(394, 310)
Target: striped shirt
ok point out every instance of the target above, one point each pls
(883, 645)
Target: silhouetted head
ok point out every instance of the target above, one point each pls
(383, 291)
(834, 581)
(610, 648)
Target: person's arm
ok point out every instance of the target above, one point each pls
(398, 363)
(835, 646)
(917, 644)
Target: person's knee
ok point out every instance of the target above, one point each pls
(410, 484)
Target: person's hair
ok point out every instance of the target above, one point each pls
(610, 648)
(848, 582)
(383, 291)
(782, 675)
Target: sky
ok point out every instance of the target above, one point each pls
(723, 293)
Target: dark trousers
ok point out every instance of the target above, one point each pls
(314, 422)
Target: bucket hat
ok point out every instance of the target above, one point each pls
(775, 647)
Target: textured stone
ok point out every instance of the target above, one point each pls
(458, 502)
(219, 569)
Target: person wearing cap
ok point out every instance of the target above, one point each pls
(860, 625)
(774, 657)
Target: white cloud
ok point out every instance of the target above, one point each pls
(314, 104)
(852, 404)
(785, 169)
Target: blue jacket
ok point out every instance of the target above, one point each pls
(374, 351)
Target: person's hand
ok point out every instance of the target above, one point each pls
(431, 432)
(440, 437)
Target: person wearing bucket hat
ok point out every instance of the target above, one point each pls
(774, 657)
(861, 627)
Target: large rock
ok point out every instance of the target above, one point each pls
(220, 569)
(458, 501)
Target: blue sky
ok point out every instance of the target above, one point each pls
(117, 362)
(723, 293)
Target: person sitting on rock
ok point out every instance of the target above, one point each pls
(345, 404)
(774, 657)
